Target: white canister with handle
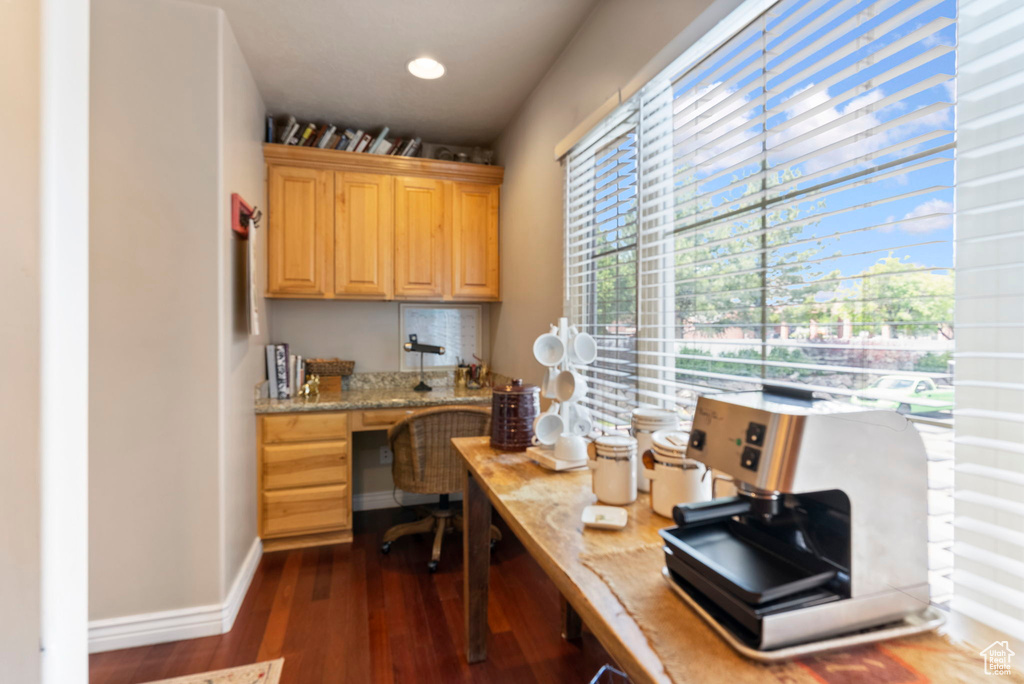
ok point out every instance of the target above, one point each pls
(614, 466)
(644, 422)
(675, 479)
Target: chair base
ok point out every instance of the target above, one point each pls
(436, 521)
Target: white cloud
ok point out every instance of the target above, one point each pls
(931, 215)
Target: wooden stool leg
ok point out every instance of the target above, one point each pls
(572, 624)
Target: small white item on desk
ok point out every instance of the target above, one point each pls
(605, 517)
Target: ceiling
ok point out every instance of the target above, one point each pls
(344, 61)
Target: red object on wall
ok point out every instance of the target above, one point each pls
(241, 212)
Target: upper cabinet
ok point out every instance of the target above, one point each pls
(297, 250)
(362, 226)
(364, 205)
(474, 241)
(419, 238)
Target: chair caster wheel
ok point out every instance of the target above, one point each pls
(385, 547)
(432, 566)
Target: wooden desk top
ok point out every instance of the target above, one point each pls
(543, 509)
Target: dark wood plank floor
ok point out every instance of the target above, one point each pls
(347, 613)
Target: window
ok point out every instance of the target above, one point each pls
(789, 221)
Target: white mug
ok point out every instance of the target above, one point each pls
(547, 386)
(570, 448)
(582, 347)
(580, 422)
(675, 483)
(548, 426)
(570, 386)
(614, 478)
(549, 348)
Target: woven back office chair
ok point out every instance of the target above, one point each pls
(427, 463)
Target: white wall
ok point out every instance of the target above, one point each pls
(177, 127)
(615, 42)
(364, 332)
(244, 362)
(20, 79)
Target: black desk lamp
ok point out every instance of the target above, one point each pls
(413, 346)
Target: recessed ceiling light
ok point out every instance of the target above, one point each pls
(425, 67)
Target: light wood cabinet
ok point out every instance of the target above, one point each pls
(298, 247)
(475, 241)
(363, 235)
(419, 238)
(304, 474)
(361, 226)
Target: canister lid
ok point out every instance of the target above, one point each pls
(671, 442)
(516, 387)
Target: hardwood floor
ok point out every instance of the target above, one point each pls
(347, 613)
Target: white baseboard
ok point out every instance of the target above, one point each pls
(173, 625)
(372, 501)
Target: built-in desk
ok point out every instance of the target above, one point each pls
(304, 471)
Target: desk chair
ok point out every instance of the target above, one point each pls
(427, 463)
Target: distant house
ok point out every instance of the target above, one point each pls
(997, 658)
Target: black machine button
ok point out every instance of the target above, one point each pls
(755, 434)
(697, 439)
(750, 458)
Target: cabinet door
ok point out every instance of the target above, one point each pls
(419, 238)
(475, 241)
(363, 235)
(300, 219)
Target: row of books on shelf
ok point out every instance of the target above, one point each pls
(286, 372)
(332, 137)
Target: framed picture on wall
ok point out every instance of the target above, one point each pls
(456, 327)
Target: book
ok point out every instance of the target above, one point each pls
(318, 135)
(414, 147)
(307, 133)
(326, 137)
(287, 130)
(281, 370)
(380, 138)
(270, 130)
(271, 372)
(364, 143)
(293, 374)
(383, 147)
(346, 139)
(357, 137)
(396, 145)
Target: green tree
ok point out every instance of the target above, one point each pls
(906, 296)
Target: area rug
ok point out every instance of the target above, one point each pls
(692, 653)
(268, 672)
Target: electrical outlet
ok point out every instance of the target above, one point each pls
(386, 455)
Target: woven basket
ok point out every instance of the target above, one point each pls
(329, 367)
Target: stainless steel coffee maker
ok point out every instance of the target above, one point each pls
(826, 540)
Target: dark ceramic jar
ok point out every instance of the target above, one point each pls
(513, 408)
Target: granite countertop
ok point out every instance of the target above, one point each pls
(376, 398)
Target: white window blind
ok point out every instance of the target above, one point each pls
(601, 257)
(795, 225)
(989, 480)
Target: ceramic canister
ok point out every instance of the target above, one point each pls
(513, 409)
(674, 478)
(614, 466)
(644, 423)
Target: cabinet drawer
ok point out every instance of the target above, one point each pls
(380, 419)
(304, 465)
(312, 509)
(305, 427)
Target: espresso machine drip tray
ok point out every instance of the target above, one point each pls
(744, 641)
(744, 562)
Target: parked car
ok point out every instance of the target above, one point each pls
(901, 392)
